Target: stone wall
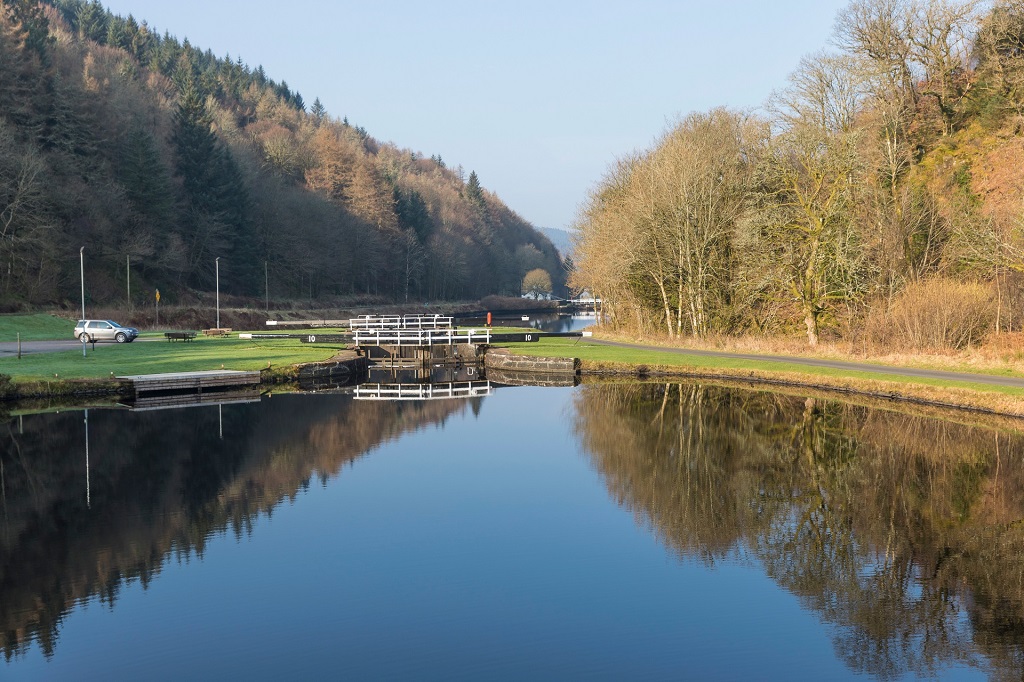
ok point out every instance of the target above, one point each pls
(505, 361)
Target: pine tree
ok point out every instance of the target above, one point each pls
(318, 112)
(474, 192)
(413, 213)
(92, 22)
(29, 14)
(145, 178)
(215, 193)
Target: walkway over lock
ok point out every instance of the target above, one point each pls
(420, 338)
(400, 322)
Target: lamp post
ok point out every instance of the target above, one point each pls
(81, 265)
(216, 262)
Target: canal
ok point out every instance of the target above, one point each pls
(603, 531)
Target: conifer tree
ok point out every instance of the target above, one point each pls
(145, 178)
(92, 22)
(213, 188)
(474, 192)
(318, 112)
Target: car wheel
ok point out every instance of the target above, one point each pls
(121, 337)
(83, 337)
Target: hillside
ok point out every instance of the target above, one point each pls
(877, 200)
(159, 158)
(562, 239)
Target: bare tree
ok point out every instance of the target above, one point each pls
(941, 38)
(999, 51)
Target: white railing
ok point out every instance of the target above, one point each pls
(420, 338)
(441, 391)
(400, 322)
(375, 322)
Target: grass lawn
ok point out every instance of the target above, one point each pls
(39, 327)
(151, 357)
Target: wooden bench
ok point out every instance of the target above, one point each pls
(217, 332)
(179, 336)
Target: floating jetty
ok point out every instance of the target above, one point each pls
(195, 382)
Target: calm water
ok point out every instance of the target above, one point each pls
(600, 532)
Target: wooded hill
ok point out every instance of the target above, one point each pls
(878, 200)
(159, 157)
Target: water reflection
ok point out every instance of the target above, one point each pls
(155, 485)
(562, 323)
(902, 531)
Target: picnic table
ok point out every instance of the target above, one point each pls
(179, 336)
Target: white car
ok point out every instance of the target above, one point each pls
(104, 330)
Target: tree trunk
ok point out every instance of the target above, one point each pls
(811, 320)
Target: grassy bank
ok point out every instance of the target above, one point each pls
(611, 360)
(155, 356)
(38, 327)
(151, 354)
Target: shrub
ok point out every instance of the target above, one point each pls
(934, 314)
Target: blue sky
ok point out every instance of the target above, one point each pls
(538, 98)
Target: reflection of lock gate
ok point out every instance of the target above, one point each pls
(440, 391)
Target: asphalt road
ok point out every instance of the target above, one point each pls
(1016, 382)
(10, 348)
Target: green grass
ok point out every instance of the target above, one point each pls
(39, 327)
(565, 347)
(152, 357)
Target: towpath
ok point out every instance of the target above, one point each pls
(989, 379)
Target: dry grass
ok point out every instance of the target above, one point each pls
(933, 314)
(999, 354)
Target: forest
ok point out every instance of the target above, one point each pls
(876, 200)
(142, 160)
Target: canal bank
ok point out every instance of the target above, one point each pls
(555, 359)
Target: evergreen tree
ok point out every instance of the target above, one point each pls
(117, 33)
(474, 192)
(318, 112)
(92, 21)
(145, 178)
(413, 213)
(29, 14)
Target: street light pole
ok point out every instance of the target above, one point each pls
(81, 265)
(216, 262)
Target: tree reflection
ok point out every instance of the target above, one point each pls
(903, 532)
(161, 484)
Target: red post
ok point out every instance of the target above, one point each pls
(488, 319)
